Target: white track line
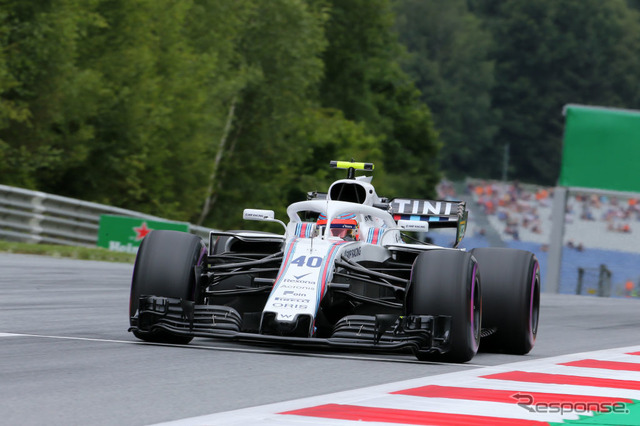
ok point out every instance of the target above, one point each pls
(301, 353)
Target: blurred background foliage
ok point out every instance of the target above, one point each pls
(195, 109)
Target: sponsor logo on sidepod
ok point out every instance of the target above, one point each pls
(353, 252)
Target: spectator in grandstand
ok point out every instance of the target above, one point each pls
(628, 288)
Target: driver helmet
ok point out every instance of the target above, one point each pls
(344, 226)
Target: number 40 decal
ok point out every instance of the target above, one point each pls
(311, 262)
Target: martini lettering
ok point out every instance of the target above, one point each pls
(422, 207)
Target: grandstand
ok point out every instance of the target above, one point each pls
(524, 213)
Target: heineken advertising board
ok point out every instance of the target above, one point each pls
(120, 233)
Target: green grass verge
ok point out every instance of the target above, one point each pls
(84, 253)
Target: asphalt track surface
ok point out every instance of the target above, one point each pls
(66, 357)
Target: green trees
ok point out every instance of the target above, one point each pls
(279, 49)
(192, 109)
(44, 95)
(110, 103)
(363, 79)
(556, 52)
(449, 60)
(497, 73)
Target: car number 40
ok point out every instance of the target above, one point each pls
(311, 261)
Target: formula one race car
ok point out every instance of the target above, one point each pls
(345, 274)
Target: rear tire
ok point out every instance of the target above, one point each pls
(511, 297)
(447, 282)
(164, 267)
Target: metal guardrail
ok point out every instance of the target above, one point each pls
(38, 217)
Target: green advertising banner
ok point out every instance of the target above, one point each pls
(120, 233)
(601, 148)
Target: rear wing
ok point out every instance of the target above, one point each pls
(439, 213)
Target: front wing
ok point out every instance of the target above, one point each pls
(385, 332)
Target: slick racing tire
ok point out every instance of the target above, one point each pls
(447, 282)
(511, 297)
(164, 267)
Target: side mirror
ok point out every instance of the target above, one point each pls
(260, 215)
(414, 225)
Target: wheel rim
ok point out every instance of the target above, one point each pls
(476, 308)
(534, 302)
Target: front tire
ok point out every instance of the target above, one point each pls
(447, 282)
(511, 290)
(165, 267)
